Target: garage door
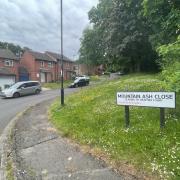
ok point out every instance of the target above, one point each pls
(6, 80)
(43, 77)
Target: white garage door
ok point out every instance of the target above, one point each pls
(43, 77)
(6, 80)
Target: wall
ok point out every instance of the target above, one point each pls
(33, 66)
(68, 69)
(51, 72)
(28, 61)
(14, 69)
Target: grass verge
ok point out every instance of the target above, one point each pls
(9, 170)
(56, 85)
(91, 117)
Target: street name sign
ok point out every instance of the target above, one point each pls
(160, 100)
(147, 99)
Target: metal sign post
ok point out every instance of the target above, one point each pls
(162, 117)
(62, 69)
(127, 121)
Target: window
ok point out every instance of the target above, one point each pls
(34, 84)
(8, 63)
(50, 64)
(25, 85)
(42, 63)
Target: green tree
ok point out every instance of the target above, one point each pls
(171, 64)
(129, 35)
(123, 35)
(91, 51)
(16, 49)
(164, 19)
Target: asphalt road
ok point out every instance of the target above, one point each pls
(10, 107)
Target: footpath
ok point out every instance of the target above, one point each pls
(35, 151)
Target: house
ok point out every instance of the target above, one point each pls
(9, 64)
(68, 66)
(82, 69)
(40, 66)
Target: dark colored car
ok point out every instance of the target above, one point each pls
(79, 82)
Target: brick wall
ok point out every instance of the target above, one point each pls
(33, 66)
(68, 69)
(13, 69)
(28, 61)
(51, 71)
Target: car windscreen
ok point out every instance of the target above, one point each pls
(14, 86)
(79, 79)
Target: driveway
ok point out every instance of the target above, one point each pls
(10, 107)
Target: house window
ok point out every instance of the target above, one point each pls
(8, 63)
(50, 64)
(42, 63)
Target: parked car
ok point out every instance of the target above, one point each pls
(79, 82)
(84, 76)
(21, 89)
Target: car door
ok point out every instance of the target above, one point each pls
(23, 89)
(30, 88)
(81, 82)
(34, 87)
(27, 88)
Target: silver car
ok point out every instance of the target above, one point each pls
(21, 89)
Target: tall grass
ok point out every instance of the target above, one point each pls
(92, 117)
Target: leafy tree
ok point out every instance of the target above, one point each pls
(129, 34)
(16, 49)
(171, 64)
(91, 51)
(120, 34)
(164, 19)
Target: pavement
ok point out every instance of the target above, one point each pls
(38, 151)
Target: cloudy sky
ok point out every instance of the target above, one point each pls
(36, 23)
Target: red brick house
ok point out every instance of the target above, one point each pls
(9, 64)
(68, 65)
(83, 69)
(40, 66)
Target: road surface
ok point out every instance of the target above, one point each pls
(10, 107)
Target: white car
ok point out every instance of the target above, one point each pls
(21, 89)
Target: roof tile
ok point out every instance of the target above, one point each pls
(6, 53)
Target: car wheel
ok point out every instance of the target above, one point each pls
(37, 91)
(16, 95)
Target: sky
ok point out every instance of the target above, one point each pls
(36, 24)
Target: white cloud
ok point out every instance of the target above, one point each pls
(36, 23)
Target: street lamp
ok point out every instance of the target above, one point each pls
(62, 70)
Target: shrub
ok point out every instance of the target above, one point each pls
(171, 64)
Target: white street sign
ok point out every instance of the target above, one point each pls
(147, 99)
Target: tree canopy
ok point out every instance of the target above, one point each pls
(125, 34)
(16, 49)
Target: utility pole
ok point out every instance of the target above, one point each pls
(62, 69)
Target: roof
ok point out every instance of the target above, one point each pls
(6, 53)
(41, 56)
(5, 71)
(58, 56)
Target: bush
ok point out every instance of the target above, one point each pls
(171, 64)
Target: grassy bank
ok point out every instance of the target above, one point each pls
(57, 85)
(92, 117)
